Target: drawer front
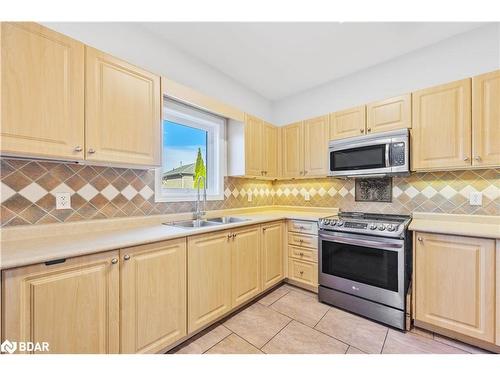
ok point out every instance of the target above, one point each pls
(305, 272)
(303, 253)
(303, 240)
(307, 227)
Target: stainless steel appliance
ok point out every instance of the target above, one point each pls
(383, 154)
(365, 264)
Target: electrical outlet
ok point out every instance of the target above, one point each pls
(476, 198)
(307, 196)
(249, 195)
(63, 201)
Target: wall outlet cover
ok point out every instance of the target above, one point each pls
(307, 196)
(476, 198)
(249, 195)
(63, 201)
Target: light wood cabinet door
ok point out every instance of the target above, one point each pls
(245, 265)
(304, 272)
(486, 120)
(497, 324)
(254, 147)
(153, 296)
(348, 123)
(441, 129)
(122, 111)
(389, 114)
(209, 278)
(270, 150)
(272, 254)
(293, 150)
(316, 147)
(42, 93)
(74, 305)
(455, 283)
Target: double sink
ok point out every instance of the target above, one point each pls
(207, 222)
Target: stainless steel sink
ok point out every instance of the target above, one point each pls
(193, 223)
(227, 220)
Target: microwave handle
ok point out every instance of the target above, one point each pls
(387, 155)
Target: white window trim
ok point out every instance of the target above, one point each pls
(182, 114)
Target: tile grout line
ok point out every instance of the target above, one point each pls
(385, 339)
(277, 333)
(249, 343)
(326, 312)
(217, 341)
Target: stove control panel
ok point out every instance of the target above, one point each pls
(387, 229)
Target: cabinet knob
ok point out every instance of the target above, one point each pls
(301, 254)
(369, 130)
(477, 158)
(420, 239)
(114, 261)
(301, 273)
(233, 235)
(466, 158)
(229, 236)
(305, 172)
(361, 131)
(91, 151)
(126, 257)
(78, 149)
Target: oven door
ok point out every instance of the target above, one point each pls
(365, 266)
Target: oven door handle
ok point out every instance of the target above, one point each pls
(356, 241)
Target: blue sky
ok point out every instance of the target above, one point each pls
(181, 144)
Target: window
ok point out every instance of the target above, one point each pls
(192, 146)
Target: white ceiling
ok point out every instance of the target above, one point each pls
(278, 60)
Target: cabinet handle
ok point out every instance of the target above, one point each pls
(301, 240)
(78, 149)
(264, 229)
(361, 131)
(369, 130)
(466, 158)
(477, 158)
(114, 261)
(91, 151)
(305, 172)
(301, 254)
(420, 239)
(301, 273)
(234, 236)
(126, 257)
(229, 236)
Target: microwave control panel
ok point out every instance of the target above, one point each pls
(397, 154)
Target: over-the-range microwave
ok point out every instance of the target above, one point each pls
(375, 155)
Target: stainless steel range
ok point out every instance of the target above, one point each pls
(365, 264)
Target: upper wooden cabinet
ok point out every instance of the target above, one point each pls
(153, 296)
(245, 265)
(122, 111)
(441, 131)
(74, 305)
(348, 123)
(270, 154)
(42, 93)
(455, 284)
(293, 150)
(316, 146)
(253, 146)
(209, 278)
(389, 114)
(272, 254)
(486, 119)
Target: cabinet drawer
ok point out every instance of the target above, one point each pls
(303, 253)
(303, 240)
(308, 227)
(305, 272)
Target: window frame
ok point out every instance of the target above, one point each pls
(215, 126)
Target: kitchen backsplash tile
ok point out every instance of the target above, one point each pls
(28, 187)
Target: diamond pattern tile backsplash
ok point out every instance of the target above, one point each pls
(28, 188)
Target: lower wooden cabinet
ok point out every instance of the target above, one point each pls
(304, 272)
(455, 284)
(245, 265)
(272, 254)
(209, 278)
(497, 324)
(74, 305)
(153, 296)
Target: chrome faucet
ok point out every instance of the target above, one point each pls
(199, 214)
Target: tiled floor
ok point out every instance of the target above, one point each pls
(290, 320)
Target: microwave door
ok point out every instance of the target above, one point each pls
(360, 160)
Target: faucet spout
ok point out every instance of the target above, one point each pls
(199, 214)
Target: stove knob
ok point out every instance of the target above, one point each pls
(333, 222)
(381, 227)
(326, 221)
(340, 223)
(373, 226)
(391, 228)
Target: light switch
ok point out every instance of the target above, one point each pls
(476, 198)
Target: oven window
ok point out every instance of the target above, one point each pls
(365, 265)
(358, 158)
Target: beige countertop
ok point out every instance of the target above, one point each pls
(463, 225)
(24, 246)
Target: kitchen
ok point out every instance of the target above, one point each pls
(327, 228)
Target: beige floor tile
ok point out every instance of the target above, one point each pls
(302, 307)
(205, 342)
(353, 350)
(257, 324)
(297, 338)
(233, 344)
(300, 290)
(411, 343)
(353, 330)
(460, 345)
(275, 295)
